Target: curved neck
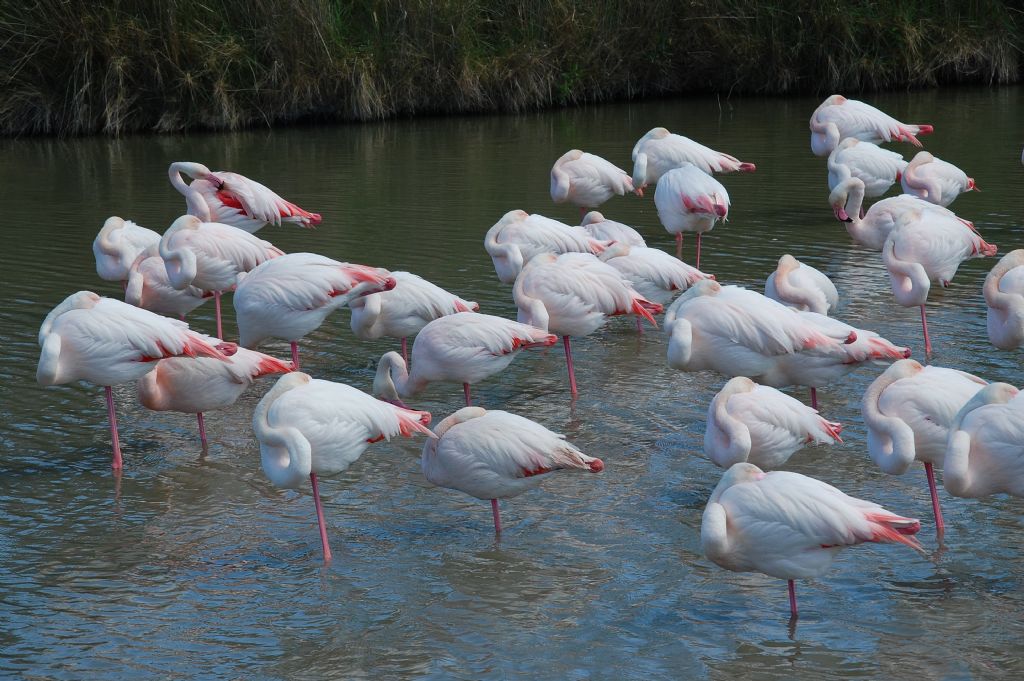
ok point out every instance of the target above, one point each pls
(890, 440)
(366, 315)
(107, 244)
(180, 263)
(994, 297)
(811, 299)
(507, 257)
(640, 171)
(680, 343)
(559, 185)
(393, 378)
(910, 282)
(829, 130)
(285, 453)
(531, 310)
(732, 441)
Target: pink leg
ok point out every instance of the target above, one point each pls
(116, 462)
(295, 356)
(924, 325)
(792, 599)
(568, 363)
(181, 317)
(679, 245)
(216, 303)
(814, 398)
(405, 351)
(202, 428)
(940, 525)
(497, 516)
(465, 391)
(639, 326)
(320, 518)
(698, 251)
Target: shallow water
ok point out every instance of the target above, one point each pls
(194, 566)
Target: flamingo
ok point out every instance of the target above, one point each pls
(1004, 295)
(101, 340)
(690, 200)
(402, 311)
(573, 294)
(461, 348)
(659, 151)
(492, 454)
(855, 165)
(308, 427)
(934, 180)
(871, 229)
(210, 256)
(149, 287)
(587, 181)
(838, 117)
(656, 275)
(603, 229)
(985, 451)
(759, 424)
(518, 236)
(197, 385)
(908, 411)
(117, 245)
(926, 247)
(291, 296)
(801, 287)
(233, 199)
(791, 526)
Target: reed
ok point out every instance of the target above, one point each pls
(80, 66)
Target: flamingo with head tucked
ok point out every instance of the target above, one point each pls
(150, 288)
(908, 411)
(690, 200)
(309, 428)
(801, 286)
(233, 199)
(491, 454)
(791, 526)
(601, 228)
(460, 348)
(863, 168)
(518, 236)
(106, 342)
(291, 296)
(985, 451)
(587, 181)
(117, 245)
(659, 151)
(838, 117)
(1004, 296)
(573, 294)
(934, 180)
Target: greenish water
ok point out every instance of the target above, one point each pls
(195, 566)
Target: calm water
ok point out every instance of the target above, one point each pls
(195, 566)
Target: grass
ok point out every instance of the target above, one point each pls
(78, 66)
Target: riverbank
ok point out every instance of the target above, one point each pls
(75, 67)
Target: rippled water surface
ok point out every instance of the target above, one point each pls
(194, 566)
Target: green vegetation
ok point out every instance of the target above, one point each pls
(81, 66)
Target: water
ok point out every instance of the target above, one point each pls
(195, 566)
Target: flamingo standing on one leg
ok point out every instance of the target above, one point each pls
(908, 411)
(518, 236)
(927, 247)
(402, 311)
(690, 200)
(106, 342)
(233, 199)
(291, 296)
(1004, 295)
(308, 428)
(198, 385)
(934, 180)
(838, 117)
(985, 451)
(659, 151)
(790, 526)
(461, 348)
(587, 181)
(117, 245)
(210, 256)
(494, 455)
(573, 294)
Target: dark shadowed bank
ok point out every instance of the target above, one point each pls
(81, 66)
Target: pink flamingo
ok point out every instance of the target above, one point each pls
(233, 199)
(659, 151)
(490, 454)
(908, 411)
(150, 288)
(210, 256)
(308, 428)
(1004, 296)
(291, 296)
(985, 454)
(871, 229)
(690, 200)
(862, 167)
(461, 348)
(790, 526)
(197, 385)
(106, 342)
(587, 181)
(801, 287)
(935, 180)
(518, 236)
(117, 245)
(838, 117)
(603, 229)
(573, 294)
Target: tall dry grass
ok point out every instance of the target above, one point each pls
(80, 66)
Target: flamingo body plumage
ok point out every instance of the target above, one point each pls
(934, 180)
(985, 451)
(838, 117)
(518, 236)
(603, 229)
(653, 273)
(801, 287)
(586, 180)
(117, 245)
(150, 288)
(659, 151)
(1004, 297)
(403, 310)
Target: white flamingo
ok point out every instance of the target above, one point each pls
(985, 452)
(934, 180)
(150, 288)
(801, 287)
(861, 167)
(690, 200)
(603, 229)
(586, 180)
(838, 117)
(117, 245)
(659, 151)
(491, 454)
(1004, 296)
(309, 428)
(872, 229)
(790, 526)
(518, 236)
(656, 275)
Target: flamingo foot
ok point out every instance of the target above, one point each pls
(116, 462)
(320, 518)
(497, 516)
(568, 363)
(940, 525)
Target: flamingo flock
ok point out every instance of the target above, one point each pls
(565, 281)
